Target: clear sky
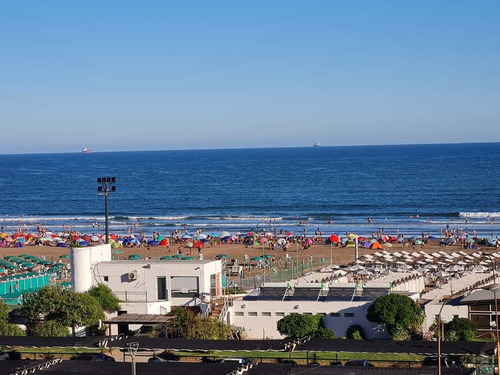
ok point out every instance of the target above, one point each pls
(153, 75)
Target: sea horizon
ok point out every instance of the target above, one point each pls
(257, 148)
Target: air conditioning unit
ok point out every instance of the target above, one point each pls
(133, 275)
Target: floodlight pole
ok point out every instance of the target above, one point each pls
(106, 185)
(132, 348)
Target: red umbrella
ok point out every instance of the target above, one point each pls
(334, 238)
(164, 242)
(198, 245)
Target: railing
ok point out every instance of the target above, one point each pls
(225, 308)
(134, 296)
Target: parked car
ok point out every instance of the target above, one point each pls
(4, 356)
(432, 361)
(241, 360)
(358, 363)
(103, 358)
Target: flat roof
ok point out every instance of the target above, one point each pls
(162, 262)
(140, 319)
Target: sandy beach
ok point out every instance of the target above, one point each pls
(340, 256)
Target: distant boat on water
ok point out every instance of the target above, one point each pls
(86, 150)
(316, 144)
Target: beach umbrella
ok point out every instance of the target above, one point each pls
(186, 237)
(163, 242)
(334, 238)
(442, 274)
(178, 256)
(201, 236)
(267, 256)
(222, 256)
(94, 238)
(117, 251)
(166, 257)
(281, 241)
(153, 243)
(64, 256)
(256, 258)
(189, 244)
(189, 258)
(134, 256)
(198, 245)
(214, 234)
(418, 242)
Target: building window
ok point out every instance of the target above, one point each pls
(334, 315)
(279, 314)
(308, 313)
(106, 278)
(239, 313)
(455, 316)
(266, 314)
(161, 284)
(252, 313)
(348, 315)
(184, 286)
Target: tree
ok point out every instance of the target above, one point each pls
(397, 312)
(460, 329)
(296, 326)
(50, 328)
(64, 306)
(188, 325)
(104, 295)
(355, 332)
(7, 329)
(4, 311)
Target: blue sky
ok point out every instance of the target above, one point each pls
(154, 75)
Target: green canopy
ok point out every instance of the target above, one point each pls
(256, 258)
(134, 256)
(117, 251)
(166, 257)
(221, 256)
(178, 256)
(64, 256)
(268, 256)
(189, 258)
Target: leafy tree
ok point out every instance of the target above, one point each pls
(397, 312)
(355, 332)
(189, 325)
(80, 309)
(50, 328)
(4, 311)
(64, 306)
(460, 329)
(297, 326)
(104, 295)
(7, 329)
(43, 304)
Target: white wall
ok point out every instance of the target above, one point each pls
(264, 326)
(140, 295)
(82, 261)
(431, 310)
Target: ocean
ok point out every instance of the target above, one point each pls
(406, 189)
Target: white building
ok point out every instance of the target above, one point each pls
(340, 304)
(147, 286)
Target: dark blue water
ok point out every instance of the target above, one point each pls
(409, 189)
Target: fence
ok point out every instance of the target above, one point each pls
(253, 276)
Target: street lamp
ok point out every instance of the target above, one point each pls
(494, 289)
(106, 186)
